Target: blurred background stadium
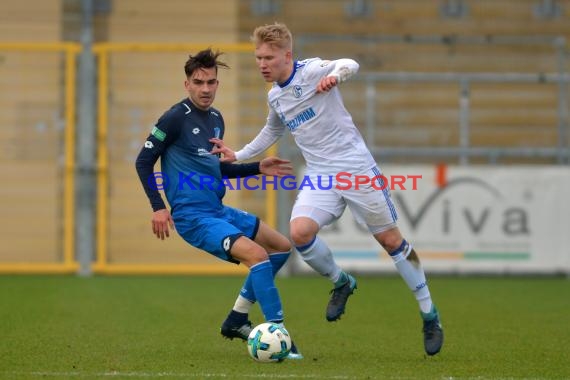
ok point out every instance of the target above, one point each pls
(457, 91)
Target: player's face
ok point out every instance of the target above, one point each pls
(202, 86)
(273, 62)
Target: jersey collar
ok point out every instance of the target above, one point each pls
(284, 84)
(188, 102)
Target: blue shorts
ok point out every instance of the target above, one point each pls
(216, 233)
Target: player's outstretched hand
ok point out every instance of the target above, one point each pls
(275, 166)
(161, 220)
(220, 147)
(326, 84)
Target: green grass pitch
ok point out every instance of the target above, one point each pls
(168, 328)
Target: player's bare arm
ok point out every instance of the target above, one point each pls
(161, 221)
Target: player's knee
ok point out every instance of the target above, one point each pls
(301, 236)
(390, 239)
(257, 255)
(303, 230)
(391, 242)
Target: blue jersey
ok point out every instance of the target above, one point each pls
(191, 177)
(193, 174)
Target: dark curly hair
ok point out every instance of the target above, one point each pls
(204, 59)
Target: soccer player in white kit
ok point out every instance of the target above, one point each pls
(305, 99)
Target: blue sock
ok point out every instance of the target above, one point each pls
(265, 291)
(277, 261)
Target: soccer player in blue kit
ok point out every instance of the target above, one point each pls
(195, 188)
(305, 99)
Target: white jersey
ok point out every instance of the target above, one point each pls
(321, 126)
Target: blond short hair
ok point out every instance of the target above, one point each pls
(274, 34)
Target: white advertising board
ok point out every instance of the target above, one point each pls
(468, 220)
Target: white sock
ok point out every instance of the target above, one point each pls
(242, 305)
(425, 304)
(320, 258)
(414, 276)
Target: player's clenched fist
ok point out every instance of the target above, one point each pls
(326, 84)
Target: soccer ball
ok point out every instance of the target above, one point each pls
(269, 342)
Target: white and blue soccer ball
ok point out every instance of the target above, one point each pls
(268, 343)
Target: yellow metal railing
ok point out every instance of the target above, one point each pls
(68, 265)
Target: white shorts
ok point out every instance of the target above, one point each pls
(369, 201)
